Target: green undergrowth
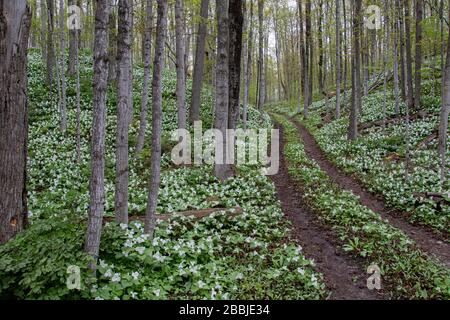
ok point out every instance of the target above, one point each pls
(406, 271)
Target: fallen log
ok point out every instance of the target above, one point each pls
(196, 214)
(377, 123)
(438, 198)
(427, 140)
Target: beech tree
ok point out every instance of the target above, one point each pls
(15, 22)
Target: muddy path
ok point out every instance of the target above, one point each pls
(344, 275)
(424, 238)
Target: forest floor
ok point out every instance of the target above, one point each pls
(425, 239)
(342, 273)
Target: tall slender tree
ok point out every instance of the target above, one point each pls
(158, 67)
(97, 180)
(236, 20)
(124, 92)
(338, 61)
(418, 59)
(199, 62)
(146, 84)
(181, 68)
(221, 169)
(356, 71)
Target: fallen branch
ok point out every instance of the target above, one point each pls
(196, 214)
(377, 123)
(437, 197)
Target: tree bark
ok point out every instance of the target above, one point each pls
(222, 170)
(199, 63)
(158, 67)
(50, 46)
(261, 80)
(112, 47)
(356, 74)
(338, 62)
(249, 68)
(147, 62)
(418, 71)
(236, 20)
(443, 123)
(181, 68)
(409, 77)
(63, 101)
(15, 22)
(97, 181)
(124, 92)
(73, 51)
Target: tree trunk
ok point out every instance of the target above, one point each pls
(15, 22)
(50, 47)
(356, 74)
(145, 89)
(199, 63)
(445, 111)
(78, 100)
(309, 53)
(73, 51)
(112, 47)
(236, 20)
(409, 78)
(43, 31)
(124, 92)
(158, 67)
(100, 83)
(248, 69)
(181, 69)
(222, 170)
(402, 49)
(63, 101)
(261, 93)
(338, 62)
(418, 75)
(396, 78)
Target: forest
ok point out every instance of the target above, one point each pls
(224, 150)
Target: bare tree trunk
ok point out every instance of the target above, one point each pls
(97, 182)
(112, 47)
(147, 62)
(236, 20)
(199, 63)
(418, 75)
(261, 93)
(77, 71)
(445, 111)
(356, 74)
(338, 61)
(310, 51)
(402, 49)
(396, 78)
(248, 69)
(50, 47)
(385, 62)
(409, 78)
(43, 31)
(222, 170)
(158, 67)
(63, 101)
(15, 22)
(180, 56)
(73, 36)
(124, 92)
